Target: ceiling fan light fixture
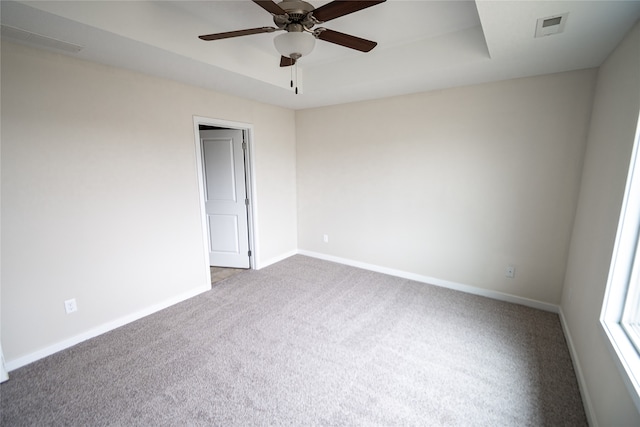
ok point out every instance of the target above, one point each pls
(294, 44)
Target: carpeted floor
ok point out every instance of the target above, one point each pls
(308, 342)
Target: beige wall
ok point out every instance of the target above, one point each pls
(100, 194)
(455, 184)
(611, 136)
(100, 203)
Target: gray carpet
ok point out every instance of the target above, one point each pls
(308, 342)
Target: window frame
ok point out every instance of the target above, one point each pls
(630, 321)
(623, 284)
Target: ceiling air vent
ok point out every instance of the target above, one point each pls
(551, 25)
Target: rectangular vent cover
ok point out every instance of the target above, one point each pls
(551, 25)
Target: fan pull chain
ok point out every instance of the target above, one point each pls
(296, 65)
(291, 72)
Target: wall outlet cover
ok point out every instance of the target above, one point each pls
(510, 272)
(70, 305)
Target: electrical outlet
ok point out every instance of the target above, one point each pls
(70, 305)
(325, 238)
(510, 272)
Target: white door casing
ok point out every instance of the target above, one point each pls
(225, 197)
(4, 375)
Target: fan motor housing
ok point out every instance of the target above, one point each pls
(296, 7)
(298, 12)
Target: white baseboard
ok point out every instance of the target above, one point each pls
(47, 351)
(109, 326)
(586, 399)
(582, 383)
(437, 282)
(263, 264)
(70, 342)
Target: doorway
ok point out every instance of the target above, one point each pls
(224, 163)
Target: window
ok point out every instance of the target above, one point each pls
(620, 316)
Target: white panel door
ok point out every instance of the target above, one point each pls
(223, 168)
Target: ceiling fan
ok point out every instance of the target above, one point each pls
(298, 18)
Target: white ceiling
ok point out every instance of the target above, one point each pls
(422, 45)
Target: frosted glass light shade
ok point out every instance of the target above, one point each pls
(296, 43)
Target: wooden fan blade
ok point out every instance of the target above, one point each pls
(270, 7)
(239, 33)
(346, 40)
(338, 8)
(286, 61)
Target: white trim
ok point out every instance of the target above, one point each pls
(253, 197)
(625, 357)
(251, 184)
(437, 282)
(104, 328)
(62, 345)
(582, 382)
(203, 214)
(276, 259)
(4, 375)
(623, 274)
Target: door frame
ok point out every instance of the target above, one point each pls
(247, 129)
(4, 375)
